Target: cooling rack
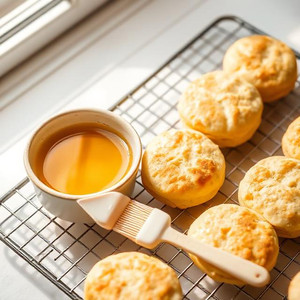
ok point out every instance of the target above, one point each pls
(64, 252)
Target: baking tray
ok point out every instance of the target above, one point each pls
(64, 252)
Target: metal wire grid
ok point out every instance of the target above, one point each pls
(64, 252)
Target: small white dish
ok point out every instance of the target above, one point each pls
(64, 205)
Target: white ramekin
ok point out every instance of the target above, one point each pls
(64, 205)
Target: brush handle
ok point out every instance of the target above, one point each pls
(236, 266)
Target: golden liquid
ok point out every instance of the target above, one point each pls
(82, 161)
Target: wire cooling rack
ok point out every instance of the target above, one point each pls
(64, 252)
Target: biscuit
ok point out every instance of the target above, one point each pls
(131, 275)
(222, 106)
(272, 188)
(265, 62)
(291, 140)
(239, 231)
(182, 168)
(294, 288)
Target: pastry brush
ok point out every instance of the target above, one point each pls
(149, 226)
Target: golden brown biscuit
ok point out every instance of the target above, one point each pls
(239, 231)
(222, 106)
(291, 140)
(265, 62)
(134, 276)
(182, 168)
(294, 288)
(272, 188)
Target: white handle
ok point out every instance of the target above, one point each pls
(236, 266)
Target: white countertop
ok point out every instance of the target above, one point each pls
(96, 64)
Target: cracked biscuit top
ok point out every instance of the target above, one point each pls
(267, 63)
(182, 168)
(134, 276)
(272, 188)
(224, 107)
(291, 140)
(237, 230)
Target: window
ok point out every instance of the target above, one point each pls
(27, 25)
